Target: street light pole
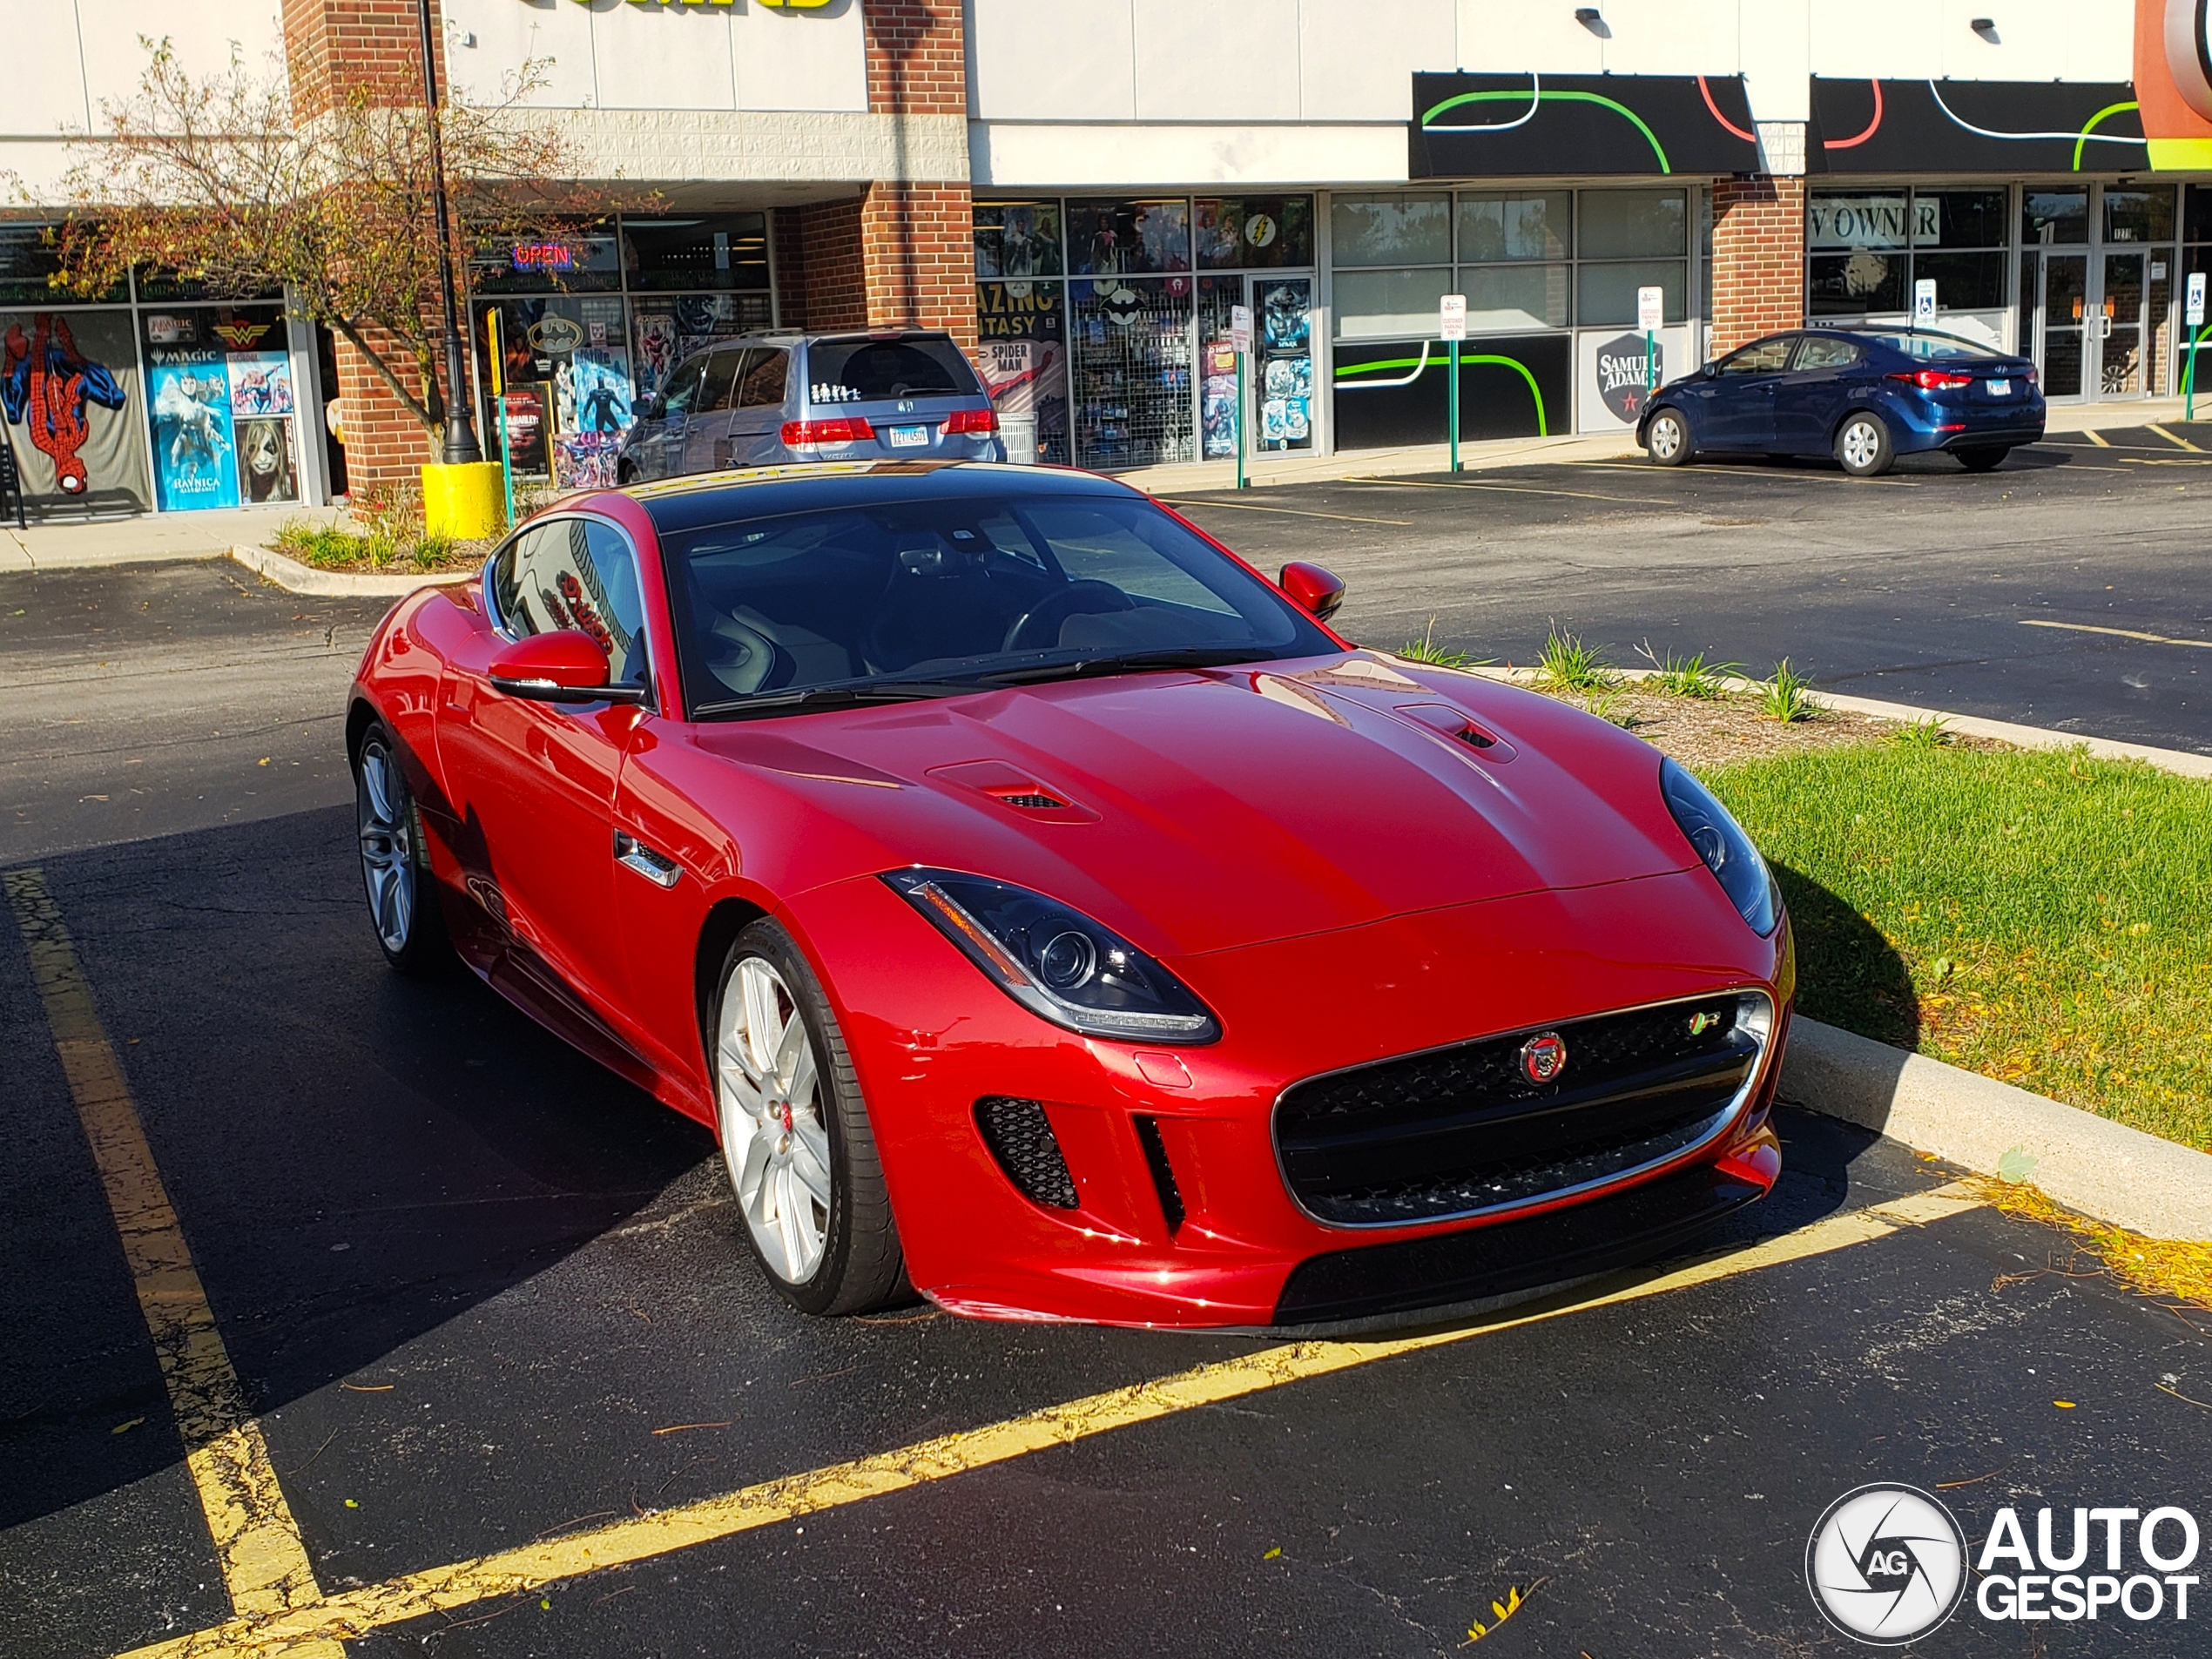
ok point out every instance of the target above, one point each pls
(461, 446)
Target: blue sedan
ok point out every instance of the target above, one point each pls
(1864, 396)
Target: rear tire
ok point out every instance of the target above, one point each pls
(404, 906)
(1667, 439)
(1863, 446)
(1982, 459)
(795, 1134)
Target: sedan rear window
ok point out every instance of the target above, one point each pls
(1914, 344)
(861, 371)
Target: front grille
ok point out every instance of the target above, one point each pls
(1021, 1138)
(1463, 1130)
(1156, 1159)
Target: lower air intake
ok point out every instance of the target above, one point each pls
(1021, 1138)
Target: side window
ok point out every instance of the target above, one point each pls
(1760, 357)
(721, 381)
(684, 387)
(1817, 351)
(583, 574)
(762, 385)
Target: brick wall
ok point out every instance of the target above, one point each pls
(917, 239)
(834, 276)
(917, 57)
(385, 444)
(1758, 259)
(787, 247)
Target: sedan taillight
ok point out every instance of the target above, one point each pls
(799, 434)
(1934, 380)
(972, 420)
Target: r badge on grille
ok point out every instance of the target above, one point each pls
(1543, 1058)
(1702, 1021)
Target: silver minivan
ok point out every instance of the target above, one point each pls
(766, 400)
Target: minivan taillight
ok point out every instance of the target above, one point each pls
(799, 434)
(1934, 380)
(968, 421)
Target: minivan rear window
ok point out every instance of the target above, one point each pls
(860, 371)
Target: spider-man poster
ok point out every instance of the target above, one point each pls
(68, 386)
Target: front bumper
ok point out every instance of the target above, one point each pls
(930, 1038)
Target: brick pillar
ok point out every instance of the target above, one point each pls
(333, 48)
(1758, 258)
(916, 239)
(835, 287)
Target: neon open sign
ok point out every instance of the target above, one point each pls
(542, 256)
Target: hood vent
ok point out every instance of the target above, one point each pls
(1007, 784)
(1032, 800)
(1458, 727)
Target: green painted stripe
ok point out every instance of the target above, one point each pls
(1563, 97)
(2090, 126)
(1543, 429)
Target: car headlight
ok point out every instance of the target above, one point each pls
(1059, 964)
(1720, 840)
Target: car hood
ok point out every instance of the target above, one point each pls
(1202, 811)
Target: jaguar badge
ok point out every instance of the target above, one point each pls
(1544, 1057)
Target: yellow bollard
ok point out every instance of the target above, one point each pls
(465, 502)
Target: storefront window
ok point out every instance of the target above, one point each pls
(223, 408)
(1017, 238)
(1118, 238)
(1390, 304)
(1634, 224)
(1134, 396)
(1606, 294)
(720, 252)
(1021, 335)
(570, 395)
(1253, 232)
(2054, 215)
(1390, 230)
(1958, 218)
(1499, 226)
(2139, 215)
(76, 418)
(587, 260)
(28, 257)
(1867, 250)
(1503, 297)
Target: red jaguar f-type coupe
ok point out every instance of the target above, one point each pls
(1053, 916)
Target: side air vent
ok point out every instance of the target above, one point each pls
(1156, 1158)
(1021, 1138)
(1035, 801)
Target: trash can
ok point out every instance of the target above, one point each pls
(1018, 431)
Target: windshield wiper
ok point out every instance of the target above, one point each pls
(1129, 663)
(822, 697)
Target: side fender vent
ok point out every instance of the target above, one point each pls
(1156, 1158)
(1021, 1138)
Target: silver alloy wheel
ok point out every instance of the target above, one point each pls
(1862, 443)
(768, 1095)
(1665, 437)
(387, 845)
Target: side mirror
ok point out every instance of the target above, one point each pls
(1709, 370)
(1313, 589)
(565, 665)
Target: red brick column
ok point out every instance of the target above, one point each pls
(835, 278)
(1758, 259)
(916, 239)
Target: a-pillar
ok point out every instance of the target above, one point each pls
(1758, 258)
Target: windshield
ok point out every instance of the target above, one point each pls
(938, 596)
(1913, 344)
(867, 371)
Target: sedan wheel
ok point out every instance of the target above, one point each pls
(1863, 446)
(795, 1136)
(1667, 439)
(402, 905)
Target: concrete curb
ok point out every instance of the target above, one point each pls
(2180, 762)
(296, 578)
(2086, 1162)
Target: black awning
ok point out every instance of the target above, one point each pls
(2008, 127)
(1523, 126)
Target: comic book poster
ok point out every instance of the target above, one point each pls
(70, 397)
(655, 334)
(194, 448)
(269, 466)
(585, 460)
(526, 435)
(260, 383)
(600, 376)
(1021, 334)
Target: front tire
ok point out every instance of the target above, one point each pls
(1667, 439)
(1863, 446)
(1983, 460)
(403, 904)
(795, 1134)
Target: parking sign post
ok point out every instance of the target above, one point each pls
(2193, 317)
(1452, 318)
(499, 402)
(1651, 316)
(1240, 342)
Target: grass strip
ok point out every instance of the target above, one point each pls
(2042, 918)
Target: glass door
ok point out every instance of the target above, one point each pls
(2060, 283)
(2117, 330)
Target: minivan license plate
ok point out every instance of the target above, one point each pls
(2001, 389)
(909, 437)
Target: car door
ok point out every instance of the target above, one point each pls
(1738, 409)
(706, 439)
(534, 782)
(756, 428)
(1810, 399)
(659, 450)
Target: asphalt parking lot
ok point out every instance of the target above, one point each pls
(491, 1314)
(2071, 588)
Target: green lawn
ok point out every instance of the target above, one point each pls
(2042, 918)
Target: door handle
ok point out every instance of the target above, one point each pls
(657, 868)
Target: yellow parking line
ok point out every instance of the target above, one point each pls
(531, 1566)
(265, 1565)
(2172, 438)
(2121, 633)
(2097, 438)
(1294, 512)
(1518, 489)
